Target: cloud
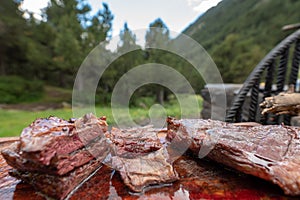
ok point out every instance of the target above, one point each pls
(202, 6)
(34, 6)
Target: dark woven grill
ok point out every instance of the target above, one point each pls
(276, 60)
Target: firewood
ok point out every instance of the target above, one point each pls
(284, 103)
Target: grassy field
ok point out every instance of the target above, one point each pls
(13, 121)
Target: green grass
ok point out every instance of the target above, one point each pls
(13, 121)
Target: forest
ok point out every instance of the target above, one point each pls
(50, 51)
(34, 53)
(238, 34)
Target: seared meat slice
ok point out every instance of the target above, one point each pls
(141, 157)
(134, 141)
(52, 152)
(45, 138)
(269, 152)
(60, 164)
(142, 171)
(55, 156)
(58, 187)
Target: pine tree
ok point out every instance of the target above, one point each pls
(99, 28)
(12, 37)
(157, 36)
(130, 56)
(76, 34)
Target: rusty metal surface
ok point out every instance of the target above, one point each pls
(199, 179)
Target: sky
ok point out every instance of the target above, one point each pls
(177, 14)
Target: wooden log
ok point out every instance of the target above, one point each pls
(291, 27)
(284, 103)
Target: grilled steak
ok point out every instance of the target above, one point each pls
(269, 152)
(58, 187)
(55, 155)
(141, 157)
(59, 164)
(135, 141)
(142, 171)
(45, 138)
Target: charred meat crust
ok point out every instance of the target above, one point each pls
(59, 164)
(45, 138)
(139, 154)
(142, 171)
(55, 156)
(134, 141)
(58, 187)
(141, 157)
(268, 152)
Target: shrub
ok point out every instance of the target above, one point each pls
(14, 89)
(142, 101)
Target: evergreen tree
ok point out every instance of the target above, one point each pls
(100, 28)
(12, 37)
(66, 54)
(127, 40)
(130, 56)
(39, 48)
(157, 36)
(76, 34)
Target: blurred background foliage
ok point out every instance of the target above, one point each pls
(39, 59)
(33, 53)
(238, 34)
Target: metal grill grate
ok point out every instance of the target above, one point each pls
(274, 68)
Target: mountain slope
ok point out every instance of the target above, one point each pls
(239, 33)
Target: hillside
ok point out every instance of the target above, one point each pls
(238, 33)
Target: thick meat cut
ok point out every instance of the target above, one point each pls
(58, 187)
(269, 152)
(55, 156)
(45, 138)
(142, 171)
(59, 164)
(134, 141)
(141, 157)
